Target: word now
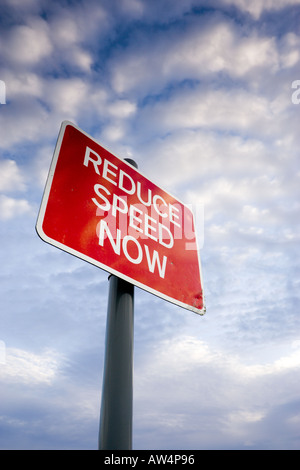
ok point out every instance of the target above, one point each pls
(152, 260)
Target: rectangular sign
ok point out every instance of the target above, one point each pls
(101, 209)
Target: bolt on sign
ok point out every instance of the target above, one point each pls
(101, 209)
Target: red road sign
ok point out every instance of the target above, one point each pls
(101, 209)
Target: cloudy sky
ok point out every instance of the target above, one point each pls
(203, 95)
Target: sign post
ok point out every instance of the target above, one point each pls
(101, 209)
(115, 431)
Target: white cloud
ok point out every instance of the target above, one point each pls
(205, 156)
(133, 7)
(28, 44)
(257, 7)
(183, 355)
(65, 96)
(67, 37)
(227, 110)
(31, 119)
(221, 47)
(28, 368)
(64, 30)
(2, 352)
(122, 109)
(22, 3)
(82, 59)
(10, 207)
(199, 397)
(24, 83)
(206, 48)
(21, 120)
(42, 163)
(118, 113)
(289, 50)
(113, 132)
(11, 178)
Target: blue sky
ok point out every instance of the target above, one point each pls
(200, 94)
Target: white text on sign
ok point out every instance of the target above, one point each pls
(151, 218)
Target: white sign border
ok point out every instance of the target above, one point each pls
(51, 241)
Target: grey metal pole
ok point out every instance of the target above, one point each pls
(115, 431)
(117, 389)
